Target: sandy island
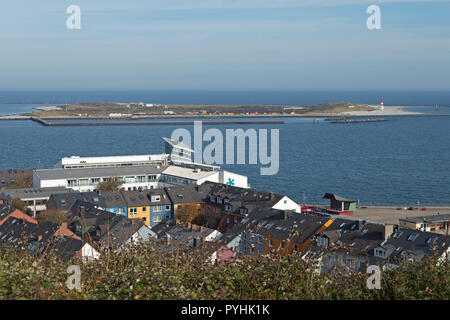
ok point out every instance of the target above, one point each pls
(388, 111)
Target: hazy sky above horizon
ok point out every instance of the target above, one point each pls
(218, 44)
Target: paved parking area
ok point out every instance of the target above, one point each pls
(392, 215)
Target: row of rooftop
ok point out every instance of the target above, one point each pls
(240, 222)
(175, 202)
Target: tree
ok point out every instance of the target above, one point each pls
(110, 184)
(23, 182)
(53, 215)
(190, 213)
(18, 204)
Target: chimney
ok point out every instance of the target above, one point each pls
(360, 224)
(177, 221)
(388, 230)
(194, 227)
(287, 214)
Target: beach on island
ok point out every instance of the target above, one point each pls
(387, 111)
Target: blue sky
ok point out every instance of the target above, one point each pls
(229, 45)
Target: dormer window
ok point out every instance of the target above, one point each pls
(381, 253)
(413, 236)
(228, 207)
(322, 241)
(156, 198)
(243, 211)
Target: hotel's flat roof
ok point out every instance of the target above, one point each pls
(187, 173)
(61, 174)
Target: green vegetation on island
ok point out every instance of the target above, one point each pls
(142, 110)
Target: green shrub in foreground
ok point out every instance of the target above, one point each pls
(145, 273)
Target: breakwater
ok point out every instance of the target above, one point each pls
(358, 121)
(167, 123)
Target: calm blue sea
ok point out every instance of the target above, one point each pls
(397, 162)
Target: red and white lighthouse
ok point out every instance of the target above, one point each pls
(382, 105)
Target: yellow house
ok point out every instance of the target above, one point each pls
(138, 205)
(142, 213)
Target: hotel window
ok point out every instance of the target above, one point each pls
(157, 219)
(157, 208)
(133, 211)
(84, 182)
(167, 208)
(144, 209)
(121, 210)
(130, 179)
(270, 243)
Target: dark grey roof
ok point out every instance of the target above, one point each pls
(121, 232)
(246, 196)
(65, 201)
(414, 242)
(112, 199)
(365, 237)
(94, 220)
(336, 197)
(434, 219)
(65, 247)
(298, 227)
(181, 231)
(143, 198)
(5, 211)
(20, 233)
(332, 235)
(31, 193)
(186, 194)
(16, 232)
(61, 174)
